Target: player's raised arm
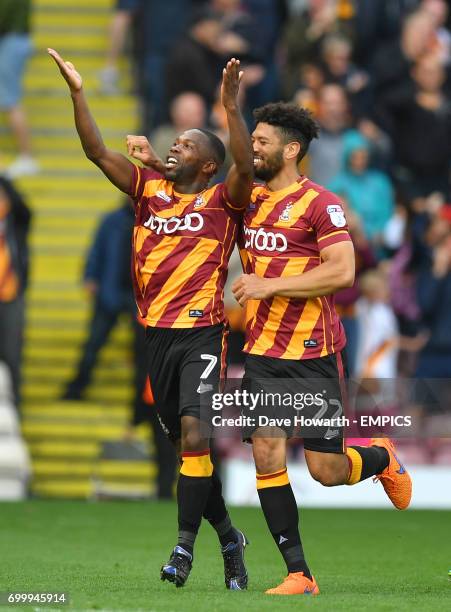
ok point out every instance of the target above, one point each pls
(116, 167)
(240, 177)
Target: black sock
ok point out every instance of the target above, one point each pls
(366, 461)
(216, 513)
(193, 490)
(281, 514)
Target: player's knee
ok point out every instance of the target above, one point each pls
(193, 441)
(269, 454)
(324, 474)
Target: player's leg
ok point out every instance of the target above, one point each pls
(194, 484)
(358, 463)
(262, 376)
(331, 463)
(201, 373)
(215, 511)
(280, 510)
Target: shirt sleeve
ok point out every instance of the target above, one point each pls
(223, 199)
(328, 220)
(140, 177)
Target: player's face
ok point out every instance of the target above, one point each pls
(186, 157)
(268, 151)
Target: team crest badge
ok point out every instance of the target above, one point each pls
(199, 202)
(337, 215)
(285, 216)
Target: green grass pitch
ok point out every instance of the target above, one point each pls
(107, 556)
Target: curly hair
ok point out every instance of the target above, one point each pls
(294, 123)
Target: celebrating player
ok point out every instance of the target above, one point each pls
(297, 252)
(183, 236)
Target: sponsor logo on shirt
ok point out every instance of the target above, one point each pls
(261, 240)
(192, 222)
(196, 313)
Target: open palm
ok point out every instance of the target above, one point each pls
(67, 69)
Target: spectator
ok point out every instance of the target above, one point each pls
(434, 299)
(195, 63)
(439, 11)
(15, 220)
(377, 25)
(121, 22)
(336, 51)
(392, 63)
(378, 329)
(108, 282)
(15, 49)
(187, 111)
(369, 192)
(326, 153)
(162, 24)
(269, 19)
(420, 126)
(346, 299)
(306, 31)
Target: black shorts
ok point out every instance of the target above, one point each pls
(294, 393)
(185, 367)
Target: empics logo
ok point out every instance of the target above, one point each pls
(192, 222)
(261, 240)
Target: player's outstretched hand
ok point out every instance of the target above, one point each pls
(250, 287)
(230, 86)
(67, 69)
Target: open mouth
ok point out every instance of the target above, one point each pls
(171, 162)
(257, 160)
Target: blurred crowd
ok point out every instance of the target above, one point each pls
(376, 75)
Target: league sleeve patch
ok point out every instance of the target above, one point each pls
(336, 214)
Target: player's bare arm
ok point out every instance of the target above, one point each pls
(140, 148)
(240, 177)
(336, 271)
(116, 167)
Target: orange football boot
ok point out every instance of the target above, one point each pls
(395, 478)
(295, 584)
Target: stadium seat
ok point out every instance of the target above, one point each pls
(5, 382)
(9, 424)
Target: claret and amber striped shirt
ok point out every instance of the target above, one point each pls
(283, 234)
(181, 247)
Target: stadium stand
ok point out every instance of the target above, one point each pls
(67, 198)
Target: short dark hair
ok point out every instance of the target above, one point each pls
(216, 146)
(295, 123)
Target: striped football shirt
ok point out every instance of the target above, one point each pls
(283, 234)
(181, 248)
